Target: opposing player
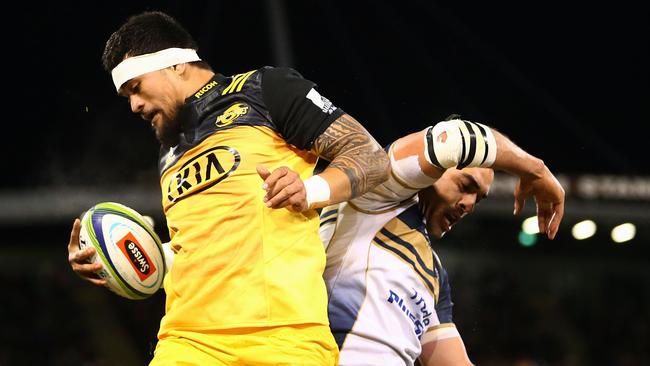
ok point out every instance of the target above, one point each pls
(390, 300)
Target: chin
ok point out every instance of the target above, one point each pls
(437, 233)
(167, 139)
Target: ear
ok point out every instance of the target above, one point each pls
(180, 69)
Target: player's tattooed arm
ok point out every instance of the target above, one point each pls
(357, 164)
(353, 151)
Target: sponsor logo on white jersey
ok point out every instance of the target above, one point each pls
(415, 308)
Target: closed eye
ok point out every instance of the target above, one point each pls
(471, 185)
(131, 87)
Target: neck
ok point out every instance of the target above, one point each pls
(197, 79)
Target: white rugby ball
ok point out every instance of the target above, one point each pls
(128, 248)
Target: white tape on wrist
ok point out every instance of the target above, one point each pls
(169, 255)
(317, 189)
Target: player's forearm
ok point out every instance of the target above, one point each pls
(444, 352)
(463, 143)
(412, 146)
(512, 159)
(357, 161)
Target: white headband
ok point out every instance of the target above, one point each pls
(139, 65)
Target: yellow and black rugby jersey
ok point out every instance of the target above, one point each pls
(238, 263)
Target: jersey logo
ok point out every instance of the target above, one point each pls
(202, 172)
(320, 101)
(237, 83)
(419, 316)
(205, 89)
(231, 114)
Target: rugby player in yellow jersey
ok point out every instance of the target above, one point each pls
(239, 196)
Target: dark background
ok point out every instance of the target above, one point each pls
(568, 81)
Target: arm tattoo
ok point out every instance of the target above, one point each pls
(351, 149)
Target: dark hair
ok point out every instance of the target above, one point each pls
(148, 32)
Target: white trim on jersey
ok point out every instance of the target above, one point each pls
(380, 308)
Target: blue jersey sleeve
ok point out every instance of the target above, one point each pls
(444, 305)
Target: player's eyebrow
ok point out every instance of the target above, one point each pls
(474, 185)
(472, 182)
(123, 91)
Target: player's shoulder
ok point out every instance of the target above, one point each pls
(276, 74)
(267, 76)
(241, 82)
(267, 71)
(412, 217)
(278, 70)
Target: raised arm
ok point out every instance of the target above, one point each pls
(357, 161)
(458, 143)
(357, 164)
(535, 180)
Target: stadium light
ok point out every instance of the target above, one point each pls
(624, 232)
(529, 226)
(527, 240)
(583, 230)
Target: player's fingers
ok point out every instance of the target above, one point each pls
(86, 269)
(284, 195)
(520, 197)
(287, 180)
(298, 205)
(262, 171)
(293, 203)
(549, 228)
(73, 244)
(519, 204)
(558, 213)
(275, 175)
(96, 281)
(298, 200)
(88, 272)
(281, 204)
(544, 214)
(83, 256)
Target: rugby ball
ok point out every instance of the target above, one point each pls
(128, 248)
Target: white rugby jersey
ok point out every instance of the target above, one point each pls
(387, 288)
